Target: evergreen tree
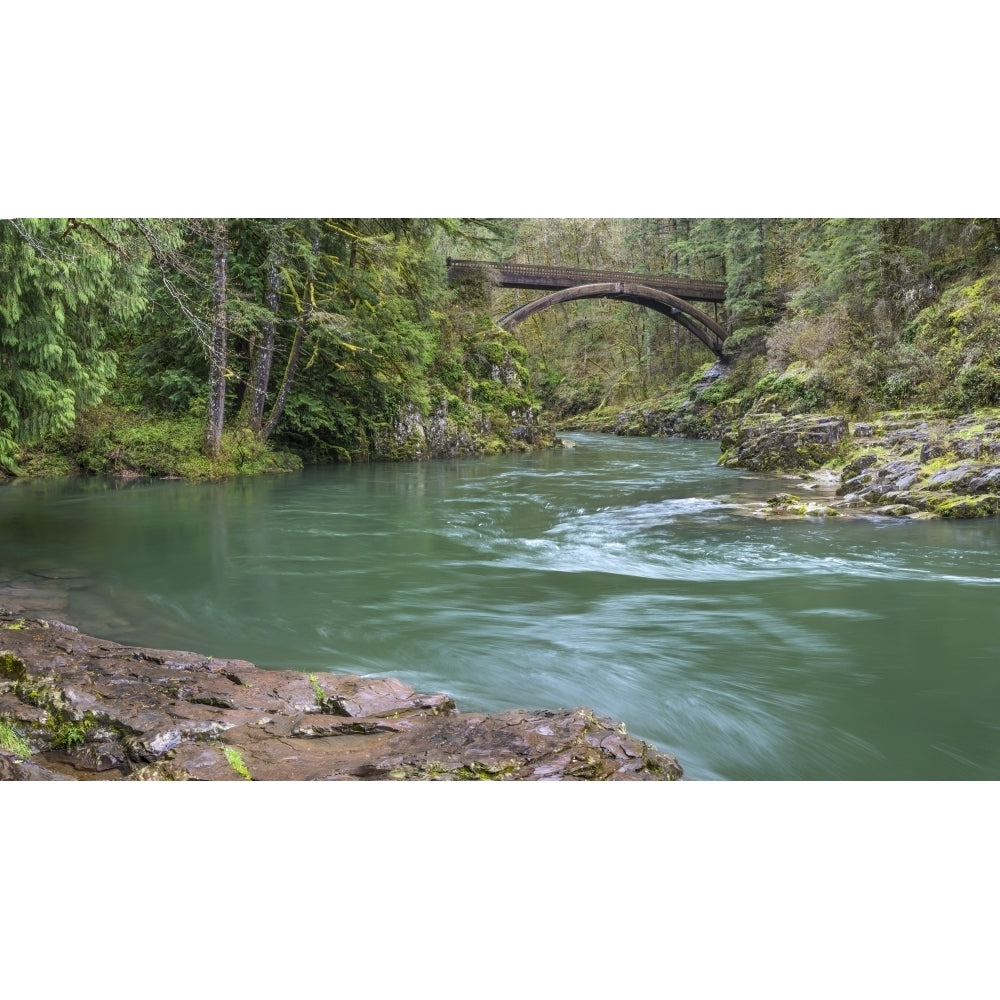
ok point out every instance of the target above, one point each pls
(65, 287)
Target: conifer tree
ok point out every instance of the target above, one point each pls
(66, 285)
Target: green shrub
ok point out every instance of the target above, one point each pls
(107, 441)
(790, 392)
(71, 733)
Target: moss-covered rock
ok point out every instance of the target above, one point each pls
(922, 464)
(897, 464)
(768, 442)
(790, 505)
(985, 505)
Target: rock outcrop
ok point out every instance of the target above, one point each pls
(904, 464)
(769, 442)
(74, 707)
(920, 465)
(690, 417)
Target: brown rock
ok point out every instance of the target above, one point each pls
(92, 709)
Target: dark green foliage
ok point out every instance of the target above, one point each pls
(733, 250)
(864, 319)
(64, 292)
(335, 330)
(343, 340)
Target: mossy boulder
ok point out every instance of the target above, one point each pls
(986, 505)
(769, 442)
(790, 505)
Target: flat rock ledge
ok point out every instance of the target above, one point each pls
(73, 707)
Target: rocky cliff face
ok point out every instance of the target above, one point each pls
(415, 437)
(73, 707)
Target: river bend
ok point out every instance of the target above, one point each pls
(622, 574)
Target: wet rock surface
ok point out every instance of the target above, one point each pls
(74, 707)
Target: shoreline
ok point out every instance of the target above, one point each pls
(77, 707)
(906, 463)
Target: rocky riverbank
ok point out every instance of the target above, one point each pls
(75, 707)
(913, 463)
(906, 463)
(900, 464)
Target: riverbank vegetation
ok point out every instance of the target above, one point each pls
(202, 348)
(867, 347)
(856, 315)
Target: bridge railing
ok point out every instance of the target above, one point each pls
(543, 276)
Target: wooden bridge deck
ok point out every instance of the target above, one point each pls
(547, 278)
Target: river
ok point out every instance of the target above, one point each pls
(623, 574)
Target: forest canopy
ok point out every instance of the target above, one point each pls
(255, 343)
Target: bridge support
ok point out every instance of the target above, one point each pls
(706, 329)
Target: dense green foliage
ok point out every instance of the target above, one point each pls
(861, 314)
(201, 347)
(64, 293)
(335, 339)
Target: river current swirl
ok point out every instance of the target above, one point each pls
(627, 575)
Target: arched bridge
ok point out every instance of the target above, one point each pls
(668, 295)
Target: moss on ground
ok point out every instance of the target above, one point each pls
(109, 441)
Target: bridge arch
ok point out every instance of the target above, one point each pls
(706, 329)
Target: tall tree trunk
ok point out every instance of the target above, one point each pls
(218, 349)
(293, 355)
(253, 409)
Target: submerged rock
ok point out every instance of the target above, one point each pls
(88, 709)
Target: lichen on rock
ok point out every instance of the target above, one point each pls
(901, 464)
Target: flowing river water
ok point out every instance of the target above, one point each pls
(622, 574)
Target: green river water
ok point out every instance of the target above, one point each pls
(621, 574)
